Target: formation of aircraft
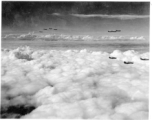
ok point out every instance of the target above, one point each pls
(48, 29)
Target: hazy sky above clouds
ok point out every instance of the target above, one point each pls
(73, 16)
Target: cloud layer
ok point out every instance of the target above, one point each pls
(122, 17)
(52, 37)
(76, 83)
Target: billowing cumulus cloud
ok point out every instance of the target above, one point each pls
(78, 84)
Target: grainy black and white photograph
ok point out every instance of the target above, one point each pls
(75, 60)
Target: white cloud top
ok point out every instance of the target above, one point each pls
(76, 83)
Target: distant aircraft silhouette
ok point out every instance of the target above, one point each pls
(144, 59)
(114, 30)
(112, 58)
(128, 62)
(44, 29)
(40, 31)
(55, 29)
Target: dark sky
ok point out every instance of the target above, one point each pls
(24, 10)
(25, 15)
